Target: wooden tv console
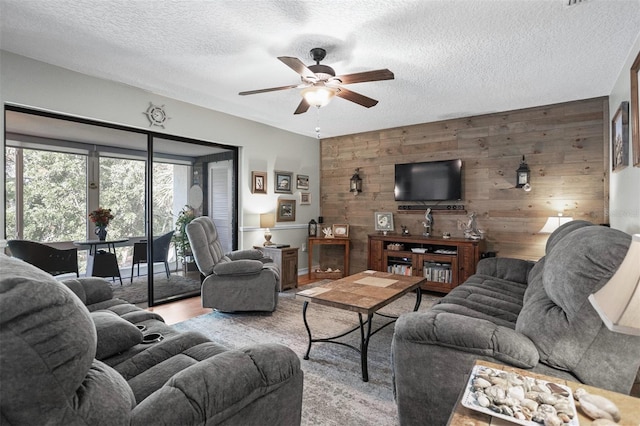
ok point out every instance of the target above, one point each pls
(445, 262)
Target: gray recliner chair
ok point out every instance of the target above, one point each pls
(242, 280)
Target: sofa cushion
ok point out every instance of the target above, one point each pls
(238, 267)
(560, 320)
(115, 334)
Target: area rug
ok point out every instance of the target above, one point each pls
(163, 287)
(334, 393)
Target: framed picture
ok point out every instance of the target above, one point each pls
(305, 198)
(635, 112)
(620, 138)
(383, 221)
(283, 182)
(302, 182)
(259, 182)
(341, 231)
(286, 210)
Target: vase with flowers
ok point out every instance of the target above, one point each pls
(101, 217)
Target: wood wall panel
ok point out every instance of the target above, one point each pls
(565, 146)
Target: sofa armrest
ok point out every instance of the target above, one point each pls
(238, 267)
(90, 289)
(250, 254)
(467, 334)
(261, 384)
(505, 268)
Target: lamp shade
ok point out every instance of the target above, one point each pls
(553, 223)
(267, 220)
(618, 302)
(318, 95)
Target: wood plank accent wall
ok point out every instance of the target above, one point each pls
(565, 145)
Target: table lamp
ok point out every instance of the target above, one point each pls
(553, 223)
(618, 302)
(267, 220)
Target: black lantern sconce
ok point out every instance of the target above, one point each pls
(523, 176)
(312, 229)
(355, 183)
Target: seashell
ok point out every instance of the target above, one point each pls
(541, 388)
(514, 379)
(547, 398)
(495, 392)
(516, 392)
(532, 395)
(506, 410)
(557, 389)
(566, 418)
(564, 407)
(520, 416)
(499, 381)
(553, 420)
(482, 400)
(596, 406)
(530, 404)
(480, 383)
(547, 409)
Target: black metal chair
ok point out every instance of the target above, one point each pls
(49, 259)
(160, 253)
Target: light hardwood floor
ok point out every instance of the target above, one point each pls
(182, 310)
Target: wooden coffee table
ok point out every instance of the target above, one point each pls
(364, 293)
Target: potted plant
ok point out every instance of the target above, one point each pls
(186, 215)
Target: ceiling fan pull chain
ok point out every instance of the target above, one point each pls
(318, 121)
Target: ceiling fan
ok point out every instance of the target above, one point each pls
(320, 84)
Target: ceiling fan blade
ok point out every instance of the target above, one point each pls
(302, 107)
(360, 77)
(272, 89)
(356, 97)
(298, 66)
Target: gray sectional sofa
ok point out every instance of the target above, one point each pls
(72, 354)
(529, 315)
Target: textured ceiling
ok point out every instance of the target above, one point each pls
(451, 58)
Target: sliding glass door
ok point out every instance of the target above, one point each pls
(58, 170)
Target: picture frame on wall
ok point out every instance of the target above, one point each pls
(259, 182)
(620, 138)
(635, 112)
(282, 182)
(383, 221)
(341, 231)
(305, 198)
(302, 182)
(286, 210)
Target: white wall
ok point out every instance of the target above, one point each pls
(29, 83)
(624, 185)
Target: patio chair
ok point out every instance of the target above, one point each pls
(49, 259)
(160, 253)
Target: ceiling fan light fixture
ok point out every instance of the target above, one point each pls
(318, 95)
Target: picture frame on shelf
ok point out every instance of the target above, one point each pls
(620, 138)
(383, 221)
(286, 210)
(635, 112)
(305, 198)
(282, 182)
(302, 182)
(340, 231)
(258, 182)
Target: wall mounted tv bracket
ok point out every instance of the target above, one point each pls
(438, 207)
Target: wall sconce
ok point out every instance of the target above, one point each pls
(523, 175)
(355, 183)
(267, 220)
(618, 302)
(312, 229)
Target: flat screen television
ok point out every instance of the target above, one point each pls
(429, 181)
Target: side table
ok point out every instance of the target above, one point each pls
(287, 260)
(629, 406)
(315, 241)
(102, 263)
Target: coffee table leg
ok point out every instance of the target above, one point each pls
(364, 345)
(418, 298)
(306, 325)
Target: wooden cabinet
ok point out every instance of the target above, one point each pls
(287, 260)
(445, 263)
(334, 275)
